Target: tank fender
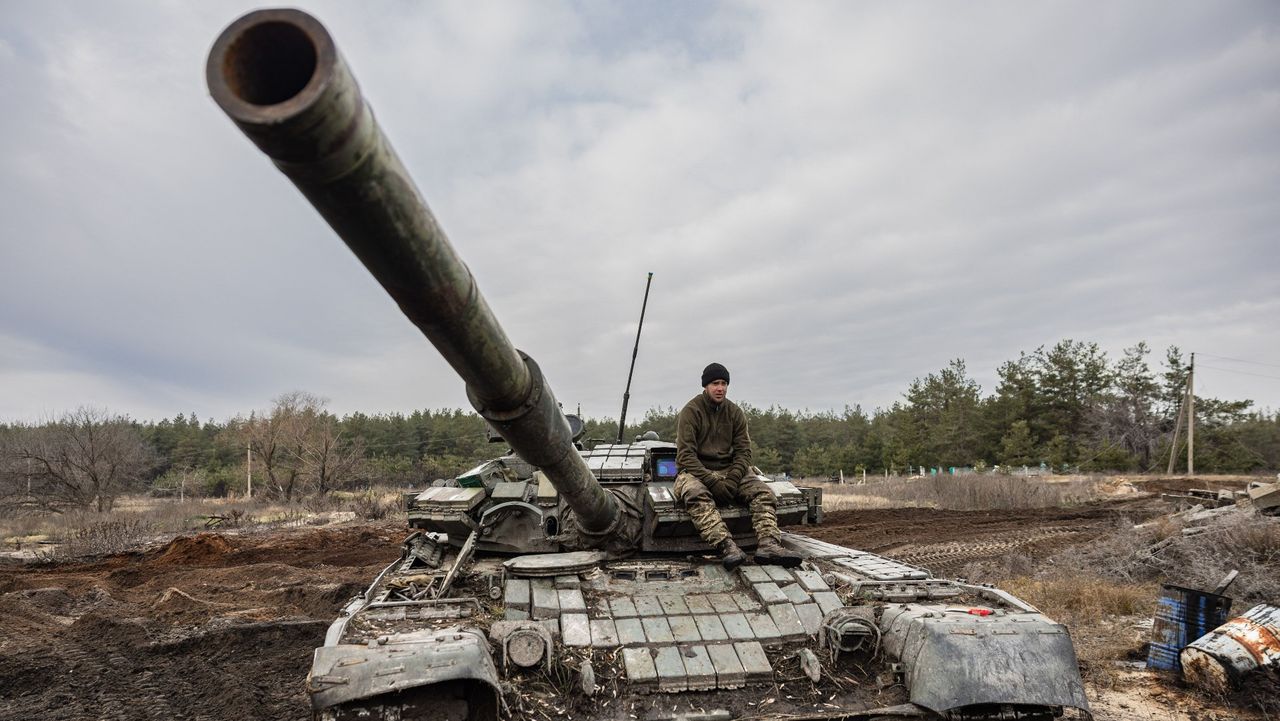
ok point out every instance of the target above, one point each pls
(400, 662)
(952, 658)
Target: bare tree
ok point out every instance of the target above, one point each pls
(326, 457)
(83, 460)
(299, 447)
(273, 438)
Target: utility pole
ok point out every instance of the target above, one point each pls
(1191, 417)
(248, 464)
(1177, 428)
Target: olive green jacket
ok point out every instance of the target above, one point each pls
(712, 437)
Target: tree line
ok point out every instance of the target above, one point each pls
(1068, 407)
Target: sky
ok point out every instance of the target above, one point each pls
(834, 199)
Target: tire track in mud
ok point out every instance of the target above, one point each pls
(948, 558)
(100, 658)
(946, 541)
(91, 665)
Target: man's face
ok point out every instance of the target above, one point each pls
(716, 390)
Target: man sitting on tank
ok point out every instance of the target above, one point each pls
(713, 453)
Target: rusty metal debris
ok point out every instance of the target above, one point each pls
(1224, 658)
(1182, 615)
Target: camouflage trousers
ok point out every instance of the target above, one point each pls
(700, 499)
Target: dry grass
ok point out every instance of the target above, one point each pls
(136, 522)
(129, 526)
(1163, 553)
(130, 517)
(835, 500)
(1250, 545)
(1108, 619)
(1079, 598)
(962, 493)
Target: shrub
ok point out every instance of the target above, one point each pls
(376, 506)
(105, 537)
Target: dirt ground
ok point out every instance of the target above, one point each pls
(213, 626)
(221, 626)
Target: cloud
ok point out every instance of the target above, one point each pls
(835, 199)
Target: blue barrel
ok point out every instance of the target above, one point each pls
(1182, 616)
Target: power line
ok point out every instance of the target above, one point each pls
(1243, 373)
(1241, 360)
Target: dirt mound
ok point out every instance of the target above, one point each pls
(315, 600)
(176, 602)
(309, 548)
(53, 599)
(108, 632)
(22, 619)
(128, 577)
(205, 549)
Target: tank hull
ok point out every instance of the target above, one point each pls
(847, 634)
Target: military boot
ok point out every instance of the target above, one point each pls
(730, 555)
(770, 552)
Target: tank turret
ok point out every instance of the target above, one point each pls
(279, 76)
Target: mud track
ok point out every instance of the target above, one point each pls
(945, 542)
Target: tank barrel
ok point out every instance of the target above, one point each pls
(278, 75)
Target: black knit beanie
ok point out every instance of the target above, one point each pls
(714, 372)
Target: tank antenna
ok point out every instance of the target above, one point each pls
(626, 395)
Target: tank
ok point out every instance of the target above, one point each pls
(560, 580)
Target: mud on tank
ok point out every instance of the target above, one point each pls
(559, 580)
